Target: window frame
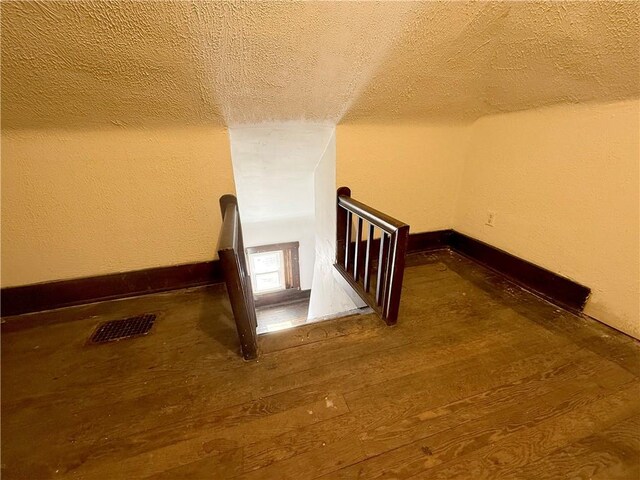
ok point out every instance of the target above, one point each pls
(291, 256)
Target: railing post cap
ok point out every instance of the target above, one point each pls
(344, 191)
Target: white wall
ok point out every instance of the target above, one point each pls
(564, 183)
(273, 167)
(327, 297)
(285, 176)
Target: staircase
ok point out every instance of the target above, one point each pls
(371, 269)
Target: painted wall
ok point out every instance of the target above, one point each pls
(410, 171)
(273, 169)
(89, 202)
(80, 203)
(564, 183)
(327, 296)
(562, 180)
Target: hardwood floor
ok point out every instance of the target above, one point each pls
(479, 379)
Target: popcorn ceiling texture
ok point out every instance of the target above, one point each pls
(93, 63)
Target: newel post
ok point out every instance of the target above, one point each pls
(341, 229)
(226, 200)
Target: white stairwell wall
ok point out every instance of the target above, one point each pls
(285, 176)
(327, 296)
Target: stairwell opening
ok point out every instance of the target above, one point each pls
(285, 178)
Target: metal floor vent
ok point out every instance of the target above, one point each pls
(115, 330)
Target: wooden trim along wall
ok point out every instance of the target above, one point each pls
(555, 288)
(46, 296)
(425, 241)
(545, 283)
(78, 291)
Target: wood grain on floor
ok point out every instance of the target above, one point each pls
(479, 379)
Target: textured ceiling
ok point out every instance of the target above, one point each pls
(94, 63)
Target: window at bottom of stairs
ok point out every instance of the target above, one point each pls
(274, 267)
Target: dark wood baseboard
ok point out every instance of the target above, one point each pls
(47, 296)
(425, 241)
(285, 296)
(78, 291)
(549, 285)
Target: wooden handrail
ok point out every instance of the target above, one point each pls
(234, 267)
(371, 215)
(384, 257)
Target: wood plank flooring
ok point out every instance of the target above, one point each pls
(478, 380)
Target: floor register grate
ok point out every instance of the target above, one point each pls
(131, 327)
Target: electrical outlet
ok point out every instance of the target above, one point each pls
(491, 218)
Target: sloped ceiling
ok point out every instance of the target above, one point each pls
(93, 63)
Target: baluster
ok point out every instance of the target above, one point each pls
(401, 238)
(356, 256)
(340, 234)
(347, 246)
(390, 258)
(380, 283)
(367, 260)
(341, 217)
(388, 262)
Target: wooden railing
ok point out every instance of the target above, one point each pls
(234, 266)
(378, 260)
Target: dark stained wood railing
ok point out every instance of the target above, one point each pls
(234, 266)
(380, 260)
